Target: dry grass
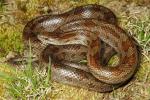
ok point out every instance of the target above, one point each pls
(135, 19)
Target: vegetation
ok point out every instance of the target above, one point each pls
(134, 17)
(29, 83)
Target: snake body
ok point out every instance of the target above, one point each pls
(84, 33)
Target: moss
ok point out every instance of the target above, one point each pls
(11, 40)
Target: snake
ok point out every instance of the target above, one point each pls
(89, 32)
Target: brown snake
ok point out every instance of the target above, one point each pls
(84, 33)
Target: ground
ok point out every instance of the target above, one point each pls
(133, 16)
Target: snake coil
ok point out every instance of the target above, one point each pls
(89, 33)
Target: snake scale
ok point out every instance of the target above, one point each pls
(88, 32)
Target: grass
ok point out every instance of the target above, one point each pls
(30, 83)
(27, 84)
(142, 29)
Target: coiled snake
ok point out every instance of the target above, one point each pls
(84, 33)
